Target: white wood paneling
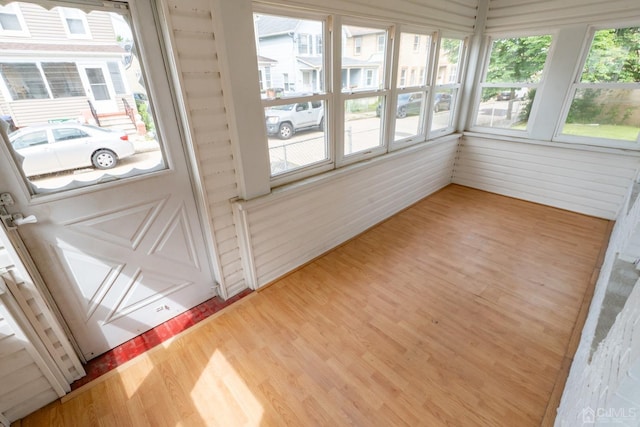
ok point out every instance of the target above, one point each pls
(507, 15)
(456, 15)
(195, 55)
(296, 224)
(581, 180)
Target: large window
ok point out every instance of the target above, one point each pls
(295, 120)
(447, 90)
(605, 96)
(354, 99)
(412, 93)
(24, 81)
(362, 98)
(65, 97)
(512, 74)
(63, 78)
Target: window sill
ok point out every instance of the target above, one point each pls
(554, 144)
(294, 188)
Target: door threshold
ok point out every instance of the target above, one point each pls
(117, 356)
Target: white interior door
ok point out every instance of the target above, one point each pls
(119, 258)
(121, 250)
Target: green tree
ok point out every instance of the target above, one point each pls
(518, 60)
(614, 57)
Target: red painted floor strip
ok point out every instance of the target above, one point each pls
(115, 357)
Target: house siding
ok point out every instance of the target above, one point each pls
(47, 26)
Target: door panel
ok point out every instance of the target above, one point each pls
(121, 260)
(120, 252)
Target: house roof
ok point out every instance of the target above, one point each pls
(268, 26)
(265, 60)
(311, 61)
(360, 31)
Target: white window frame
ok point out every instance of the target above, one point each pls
(14, 9)
(401, 85)
(72, 13)
(453, 84)
(325, 96)
(335, 97)
(576, 85)
(384, 90)
(38, 64)
(488, 44)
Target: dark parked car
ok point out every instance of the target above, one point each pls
(408, 104)
(442, 101)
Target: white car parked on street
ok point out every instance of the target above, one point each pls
(58, 147)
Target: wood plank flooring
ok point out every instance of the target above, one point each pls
(457, 311)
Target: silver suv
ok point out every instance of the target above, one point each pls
(285, 120)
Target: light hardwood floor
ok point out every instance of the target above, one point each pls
(458, 311)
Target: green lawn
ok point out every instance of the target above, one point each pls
(624, 133)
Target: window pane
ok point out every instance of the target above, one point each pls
(361, 58)
(408, 117)
(116, 77)
(518, 60)
(507, 108)
(63, 78)
(613, 56)
(449, 60)
(296, 135)
(443, 101)
(362, 124)
(126, 138)
(287, 61)
(605, 113)
(413, 58)
(24, 81)
(9, 22)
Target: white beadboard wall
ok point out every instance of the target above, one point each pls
(580, 180)
(24, 386)
(196, 59)
(29, 334)
(28, 375)
(609, 383)
(298, 223)
(507, 15)
(456, 15)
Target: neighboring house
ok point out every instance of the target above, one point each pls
(276, 39)
(302, 72)
(362, 57)
(55, 64)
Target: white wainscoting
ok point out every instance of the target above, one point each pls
(297, 223)
(579, 179)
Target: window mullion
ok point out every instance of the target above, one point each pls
(337, 133)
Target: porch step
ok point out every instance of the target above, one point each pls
(120, 122)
